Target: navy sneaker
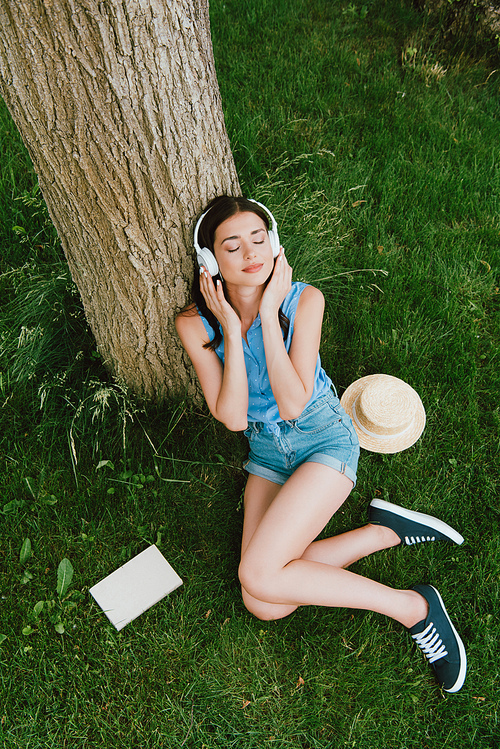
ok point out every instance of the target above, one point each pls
(412, 527)
(439, 640)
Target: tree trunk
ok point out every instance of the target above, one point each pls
(119, 107)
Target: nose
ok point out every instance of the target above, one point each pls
(249, 249)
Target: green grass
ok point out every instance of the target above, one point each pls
(383, 173)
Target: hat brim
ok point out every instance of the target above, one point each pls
(384, 444)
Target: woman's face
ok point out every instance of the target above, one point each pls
(243, 250)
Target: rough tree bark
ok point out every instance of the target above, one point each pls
(119, 107)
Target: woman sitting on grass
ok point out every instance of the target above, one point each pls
(253, 337)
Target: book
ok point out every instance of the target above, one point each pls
(135, 587)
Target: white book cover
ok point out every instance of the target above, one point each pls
(135, 587)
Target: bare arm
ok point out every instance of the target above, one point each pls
(225, 387)
(291, 374)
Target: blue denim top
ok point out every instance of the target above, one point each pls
(262, 405)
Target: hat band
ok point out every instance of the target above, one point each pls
(374, 434)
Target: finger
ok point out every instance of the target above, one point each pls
(207, 286)
(283, 274)
(219, 294)
(282, 266)
(279, 262)
(285, 259)
(207, 280)
(287, 265)
(215, 296)
(203, 278)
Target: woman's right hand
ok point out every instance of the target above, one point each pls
(218, 304)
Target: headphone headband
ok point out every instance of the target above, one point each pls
(206, 258)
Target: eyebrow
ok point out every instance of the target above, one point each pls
(238, 236)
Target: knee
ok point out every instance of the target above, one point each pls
(250, 579)
(260, 609)
(266, 612)
(259, 577)
(260, 590)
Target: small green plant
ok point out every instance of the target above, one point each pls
(409, 56)
(423, 63)
(55, 608)
(24, 556)
(133, 480)
(353, 11)
(104, 407)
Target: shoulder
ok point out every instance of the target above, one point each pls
(311, 301)
(311, 293)
(186, 316)
(189, 324)
(188, 311)
(298, 291)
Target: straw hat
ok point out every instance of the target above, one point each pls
(386, 412)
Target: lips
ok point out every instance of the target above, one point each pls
(253, 268)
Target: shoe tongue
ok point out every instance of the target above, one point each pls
(418, 627)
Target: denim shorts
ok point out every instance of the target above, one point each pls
(323, 433)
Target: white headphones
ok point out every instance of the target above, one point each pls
(206, 258)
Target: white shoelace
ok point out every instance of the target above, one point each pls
(430, 642)
(409, 540)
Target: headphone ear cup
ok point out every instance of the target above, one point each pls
(275, 242)
(207, 259)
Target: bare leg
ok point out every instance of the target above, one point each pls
(259, 493)
(282, 567)
(346, 548)
(339, 551)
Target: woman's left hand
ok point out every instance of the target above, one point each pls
(278, 287)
